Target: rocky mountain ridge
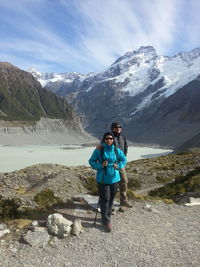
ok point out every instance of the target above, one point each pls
(138, 70)
(145, 92)
(30, 114)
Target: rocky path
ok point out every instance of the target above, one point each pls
(145, 191)
(160, 235)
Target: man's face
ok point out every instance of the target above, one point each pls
(117, 129)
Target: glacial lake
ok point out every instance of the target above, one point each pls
(18, 157)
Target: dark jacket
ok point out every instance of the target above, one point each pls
(120, 142)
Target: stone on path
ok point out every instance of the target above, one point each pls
(4, 232)
(77, 227)
(58, 225)
(37, 238)
(193, 202)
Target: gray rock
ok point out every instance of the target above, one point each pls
(3, 226)
(77, 227)
(147, 207)
(4, 232)
(58, 225)
(37, 238)
(35, 223)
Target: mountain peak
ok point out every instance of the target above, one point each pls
(7, 65)
(143, 52)
(145, 49)
(189, 56)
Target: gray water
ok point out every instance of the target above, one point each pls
(18, 157)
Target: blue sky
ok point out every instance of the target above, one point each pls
(89, 35)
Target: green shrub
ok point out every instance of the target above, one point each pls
(132, 195)
(134, 184)
(183, 152)
(8, 207)
(46, 199)
(173, 165)
(32, 214)
(182, 184)
(162, 180)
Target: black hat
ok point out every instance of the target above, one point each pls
(106, 134)
(114, 124)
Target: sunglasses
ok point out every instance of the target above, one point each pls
(118, 127)
(108, 138)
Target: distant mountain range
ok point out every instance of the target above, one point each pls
(28, 110)
(154, 97)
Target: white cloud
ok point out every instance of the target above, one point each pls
(88, 35)
(114, 27)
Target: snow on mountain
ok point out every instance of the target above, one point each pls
(143, 68)
(46, 78)
(135, 72)
(155, 97)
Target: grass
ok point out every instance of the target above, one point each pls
(134, 184)
(8, 207)
(134, 196)
(182, 184)
(46, 199)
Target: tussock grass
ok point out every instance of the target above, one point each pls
(135, 196)
(8, 207)
(182, 184)
(46, 199)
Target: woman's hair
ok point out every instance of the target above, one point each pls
(106, 134)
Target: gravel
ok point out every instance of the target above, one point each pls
(165, 235)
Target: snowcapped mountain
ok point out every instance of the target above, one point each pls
(135, 71)
(132, 90)
(45, 78)
(141, 69)
(55, 81)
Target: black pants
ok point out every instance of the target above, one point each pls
(106, 194)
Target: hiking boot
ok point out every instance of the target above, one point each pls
(126, 204)
(108, 227)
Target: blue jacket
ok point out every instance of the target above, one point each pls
(107, 175)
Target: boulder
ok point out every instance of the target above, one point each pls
(58, 225)
(37, 238)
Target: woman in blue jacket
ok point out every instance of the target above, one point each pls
(107, 161)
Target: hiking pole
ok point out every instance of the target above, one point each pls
(100, 191)
(95, 219)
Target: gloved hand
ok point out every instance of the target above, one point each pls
(115, 166)
(105, 163)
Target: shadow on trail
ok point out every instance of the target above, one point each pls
(81, 211)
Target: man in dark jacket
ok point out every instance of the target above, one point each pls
(120, 142)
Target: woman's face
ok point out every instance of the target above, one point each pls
(108, 140)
